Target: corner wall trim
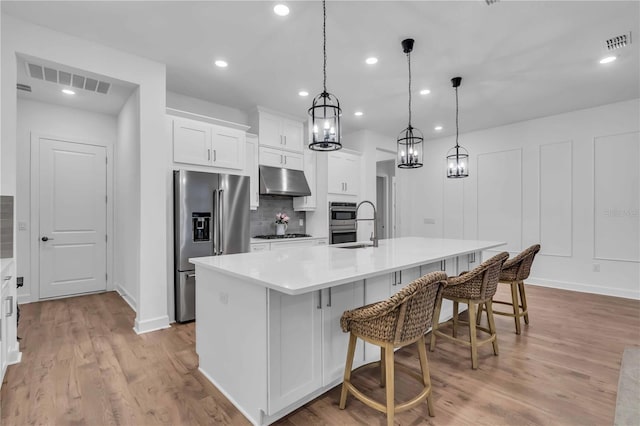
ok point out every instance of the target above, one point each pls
(152, 324)
(126, 296)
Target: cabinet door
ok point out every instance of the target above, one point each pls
(191, 142)
(292, 135)
(335, 173)
(4, 329)
(269, 129)
(290, 244)
(293, 161)
(251, 170)
(309, 202)
(295, 347)
(336, 300)
(404, 278)
(351, 170)
(271, 157)
(259, 247)
(227, 148)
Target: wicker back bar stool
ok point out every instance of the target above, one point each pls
(402, 319)
(514, 272)
(472, 288)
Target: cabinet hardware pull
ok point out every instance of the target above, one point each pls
(280, 158)
(472, 257)
(215, 157)
(400, 278)
(190, 275)
(346, 186)
(10, 300)
(285, 160)
(319, 299)
(443, 265)
(208, 155)
(329, 302)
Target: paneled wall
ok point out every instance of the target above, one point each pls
(569, 181)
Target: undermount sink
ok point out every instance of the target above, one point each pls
(355, 246)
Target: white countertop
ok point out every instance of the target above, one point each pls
(303, 269)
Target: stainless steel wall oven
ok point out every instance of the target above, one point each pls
(342, 222)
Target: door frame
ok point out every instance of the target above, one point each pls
(385, 194)
(34, 230)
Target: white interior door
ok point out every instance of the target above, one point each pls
(72, 218)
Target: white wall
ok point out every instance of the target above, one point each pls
(515, 169)
(209, 109)
(50, 120)
(127, 201)
(20, 37)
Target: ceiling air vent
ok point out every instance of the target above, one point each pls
(617, 42)
(67, 79)
(24, 87)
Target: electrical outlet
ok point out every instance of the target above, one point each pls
(596, 267)
(301, 222)
(224, 298)
(22, 226)
(428, 221)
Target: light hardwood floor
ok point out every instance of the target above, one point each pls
(84, 365)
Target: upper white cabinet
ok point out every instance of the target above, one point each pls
(278, 158)
(251, 170)
(278, 131)
(343, 173)
(308, 203)
(206, 144)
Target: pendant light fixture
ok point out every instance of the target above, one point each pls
(410, 140)
(457, 157)
(325, 111)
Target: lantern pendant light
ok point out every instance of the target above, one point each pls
(457, 157)
(325, 111)
(410, 149)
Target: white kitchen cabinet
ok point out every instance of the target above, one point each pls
(335, 301)
(309, 202)
(278, 158)
(206, 144)
(288, 243)
(9, 350)
(278, 131)
(295, 347)
(343, 173)
(251, 170)
(259, 247)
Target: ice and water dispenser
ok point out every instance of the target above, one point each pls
(201, 225)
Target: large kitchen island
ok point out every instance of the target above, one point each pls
(268, 323)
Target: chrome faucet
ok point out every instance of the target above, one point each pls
(374, 234)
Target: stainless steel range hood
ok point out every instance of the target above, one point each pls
(276, 181)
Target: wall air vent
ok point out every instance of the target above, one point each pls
(617, 42)
(23, 87)
(490, 2)
(67, 79)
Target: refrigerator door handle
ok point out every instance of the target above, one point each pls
(221, 220)
(190, 275)
(216, 229)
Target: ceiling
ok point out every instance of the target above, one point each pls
(518, 59)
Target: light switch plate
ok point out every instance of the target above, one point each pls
(22, 226)
(301, 222)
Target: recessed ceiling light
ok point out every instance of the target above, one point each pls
(607, 60)
(222, 64)
(281, 10)
(68, 92)
(372, 60)
(303, 93)
(358, 113)
(437, 128)
(425, 91)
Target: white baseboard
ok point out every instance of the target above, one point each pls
(153, 324)
(14, 357)
(24, 298)
(585, 288)
(131, 301)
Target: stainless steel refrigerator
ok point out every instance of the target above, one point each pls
(211, 218)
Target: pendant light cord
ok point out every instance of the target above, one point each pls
(324, 44)
(457, 120)
(409, 63)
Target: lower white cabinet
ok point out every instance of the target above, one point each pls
(9, 351)
(307, 347)
(295, 348)
(283, 244)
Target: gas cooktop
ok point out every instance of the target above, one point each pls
(277, 237)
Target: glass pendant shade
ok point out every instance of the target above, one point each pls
(457, 163)
(325, 115)
(410, 148)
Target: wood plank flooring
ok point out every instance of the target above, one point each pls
(84, 365)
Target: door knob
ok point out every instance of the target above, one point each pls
(45, 239)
